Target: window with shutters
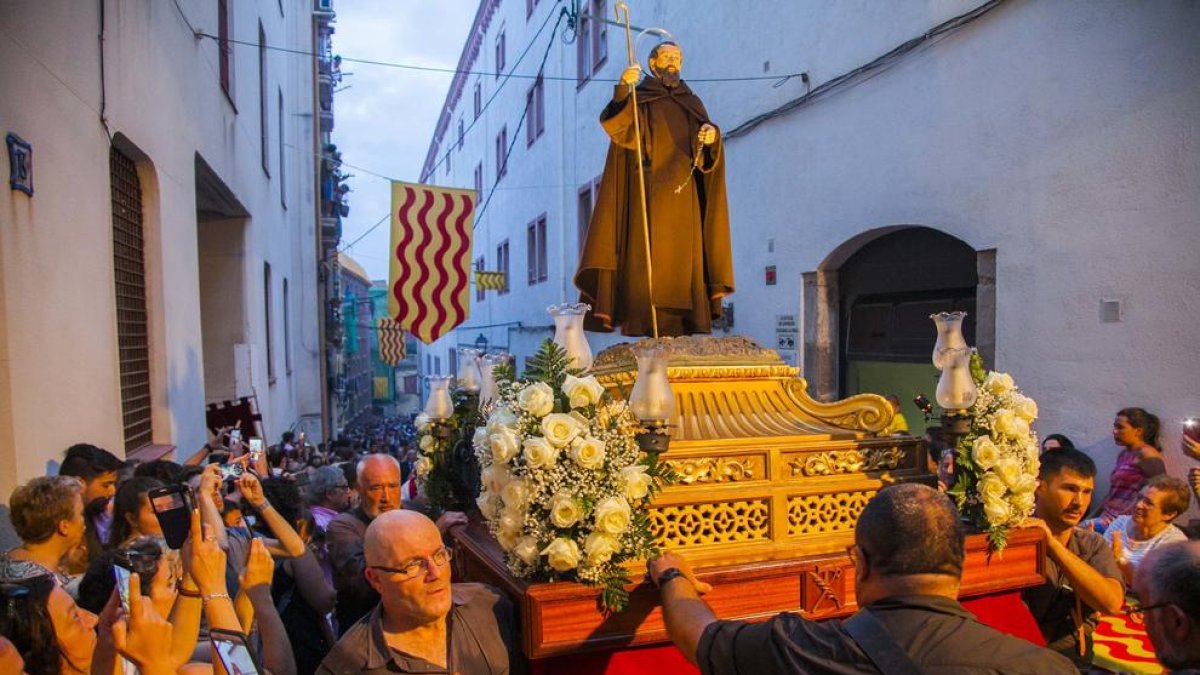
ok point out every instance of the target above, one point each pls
(460, 133)
(287, 329)
(478, 182)
(500, 55)
(535, 240)
(263, 124)
(267, 302)
(586, 199)
(591, 40)
(282, 161)
(480, 294)
(502, 264)
(501, 153)
(478, 99)
(535, 111)
(225, 48)
(129, 268)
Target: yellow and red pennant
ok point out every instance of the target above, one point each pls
(431, 258)
(490, 281)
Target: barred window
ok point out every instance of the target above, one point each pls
(129, 267)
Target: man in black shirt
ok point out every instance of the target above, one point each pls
(909, 548)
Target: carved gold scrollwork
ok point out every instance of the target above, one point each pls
(712, 523)
(861, 412)
(711, 470)
(833, 462)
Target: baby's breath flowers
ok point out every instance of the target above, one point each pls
(564, 481)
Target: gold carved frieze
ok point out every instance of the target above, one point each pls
(686, 525)
(711, 470)
(853, 460)
(825, 513)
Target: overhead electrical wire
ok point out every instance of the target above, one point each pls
(877, 64)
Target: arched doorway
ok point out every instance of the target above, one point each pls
(867, 326)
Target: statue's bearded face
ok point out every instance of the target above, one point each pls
(666, 64)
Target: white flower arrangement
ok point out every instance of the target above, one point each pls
(564, 481)
(997, 462)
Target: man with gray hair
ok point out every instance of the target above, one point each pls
(1168, 588)
(908, 563)
(378, 478)
(328, 495)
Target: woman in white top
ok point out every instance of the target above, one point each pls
(1162, 500)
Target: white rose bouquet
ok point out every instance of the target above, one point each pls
(564, 482)
(997, 462)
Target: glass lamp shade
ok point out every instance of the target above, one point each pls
(469, 378)
(439, 406)
(652, 400)
(487, 385)
(949, 335)
(569, 334)
(956, 388)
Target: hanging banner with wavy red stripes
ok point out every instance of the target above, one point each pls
(431, 258)
(392, 349)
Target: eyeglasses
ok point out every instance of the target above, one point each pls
(852, 553)
(415, 568)
(1136, 611)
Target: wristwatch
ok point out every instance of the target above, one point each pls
(667, 575)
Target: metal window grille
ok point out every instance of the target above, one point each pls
(133, 338)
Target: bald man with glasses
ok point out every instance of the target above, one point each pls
(378, 479)
(423, 623)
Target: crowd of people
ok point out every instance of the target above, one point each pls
(300, 559)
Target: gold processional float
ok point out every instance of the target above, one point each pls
(771, 481)
(771, 484)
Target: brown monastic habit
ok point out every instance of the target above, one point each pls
(688, 219)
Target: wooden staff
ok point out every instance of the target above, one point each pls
(622, 12)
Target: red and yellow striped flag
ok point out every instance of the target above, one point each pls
(392, 349)
(431, 258)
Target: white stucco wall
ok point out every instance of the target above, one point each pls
(1060, 134)
(163, 98)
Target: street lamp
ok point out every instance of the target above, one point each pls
(481, 343)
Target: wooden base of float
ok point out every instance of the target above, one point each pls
(562, 618)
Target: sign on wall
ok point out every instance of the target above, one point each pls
(787, 332)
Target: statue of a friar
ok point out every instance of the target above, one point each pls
(684, 205)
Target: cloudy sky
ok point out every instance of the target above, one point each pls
(384, 117)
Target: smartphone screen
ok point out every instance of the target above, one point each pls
(235, 435)
(170, 506)
(1191, 428)
(233, 653)
(122, 574)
